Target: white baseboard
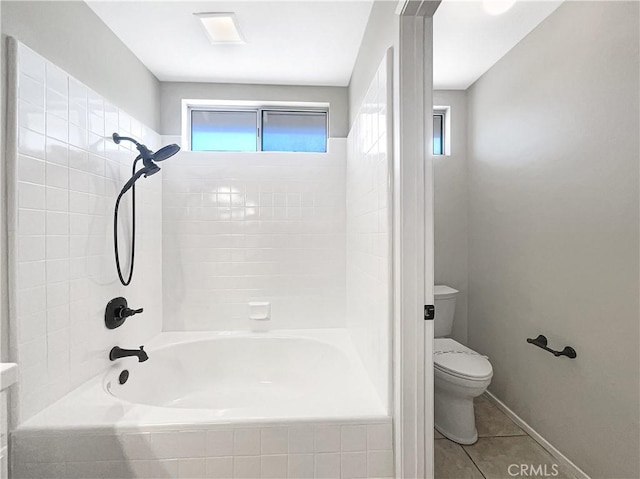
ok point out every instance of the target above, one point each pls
(561, 458)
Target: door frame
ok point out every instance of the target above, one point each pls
(413, 241)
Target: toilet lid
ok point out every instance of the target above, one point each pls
(453, 358)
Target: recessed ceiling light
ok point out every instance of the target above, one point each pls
(497, 7)
(221, 27)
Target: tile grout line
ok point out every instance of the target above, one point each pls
(474, 462)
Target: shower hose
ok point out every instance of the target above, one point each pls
(126, 282)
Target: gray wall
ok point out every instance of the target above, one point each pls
(554, 219)
(172, 94)
(451, 252)
(382, 32)
(71, 35)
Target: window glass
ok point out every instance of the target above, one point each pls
(224, 130)
(294, 131)
(438, 137)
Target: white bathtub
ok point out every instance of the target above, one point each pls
(230, 405)
(224, 377)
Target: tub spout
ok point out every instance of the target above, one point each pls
(117, 353)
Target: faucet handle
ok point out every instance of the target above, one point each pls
(126, 312)
(117, 311)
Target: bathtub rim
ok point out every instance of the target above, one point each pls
(57, 418)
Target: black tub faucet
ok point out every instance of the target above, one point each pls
(117, 353)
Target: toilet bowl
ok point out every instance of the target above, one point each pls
(460, 375)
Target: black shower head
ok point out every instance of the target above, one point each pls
(166, 152)
(146, 154)
(152, 169)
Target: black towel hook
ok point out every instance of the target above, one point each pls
(541, 342)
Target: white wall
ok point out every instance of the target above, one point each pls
(382, 32)
(451, 251)
(63, 180)
(369, 233)
(172, 94)
(241, 227)
(554, 219)
(72, 36)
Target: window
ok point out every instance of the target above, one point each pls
(257, 129)
(213, 130)
(294, 131)
(438, 132)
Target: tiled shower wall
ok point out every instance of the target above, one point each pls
(64, 174)
(368, 232)
(242, 227)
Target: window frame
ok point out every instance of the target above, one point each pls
(444, 113)
(258, 109)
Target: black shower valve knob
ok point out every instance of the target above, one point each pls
(125, 312)
(117, 311)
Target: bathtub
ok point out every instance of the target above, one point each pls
(297, 401)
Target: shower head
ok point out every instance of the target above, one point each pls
(166, 152)
(148, 158)
(146, 171)
(146, 154)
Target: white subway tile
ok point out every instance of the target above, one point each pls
(57, 80)
(246, 442)
(57, 128)
(57, 104)
(380, 464)
(164, 444)
(301, 466)
(57, 175)
(219, 467)
(57, 152)
(354, 465)
(327, 466)
(379, 437)
(192, 468)
(275, 440)
(274, 467)
(57, 199)
(31, 274)
(192, 444)
(354, 438)
(219, 442)
(31, 91)
(246, 467)
(327, 439)
(31, 117)
(31, 222)
(31, 248)
(31, 143)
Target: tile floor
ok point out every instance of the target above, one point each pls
(501, 443)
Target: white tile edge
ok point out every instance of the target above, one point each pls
(564, 460)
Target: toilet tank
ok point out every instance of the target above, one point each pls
(445, 302)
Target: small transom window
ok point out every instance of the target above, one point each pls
(258, 129)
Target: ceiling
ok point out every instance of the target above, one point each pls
(313, 42)
(468, 41)
(288, 43)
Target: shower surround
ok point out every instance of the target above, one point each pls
(268, 227)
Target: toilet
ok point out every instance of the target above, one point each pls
(460, 374)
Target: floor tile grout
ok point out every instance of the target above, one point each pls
(474, 462)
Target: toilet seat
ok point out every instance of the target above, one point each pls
(454, 359)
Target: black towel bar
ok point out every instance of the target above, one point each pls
(541, 342)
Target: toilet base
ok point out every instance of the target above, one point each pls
(458, 440)
(454, 412)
